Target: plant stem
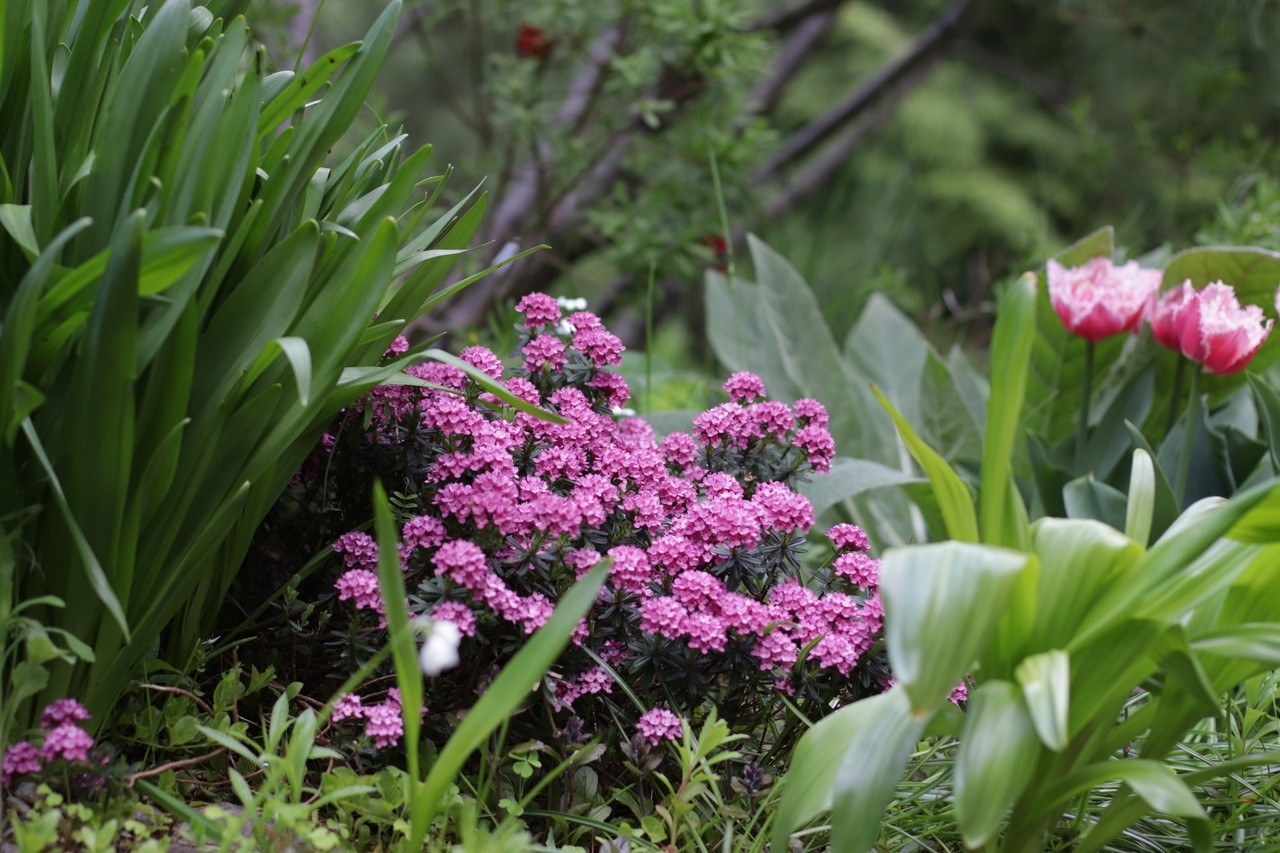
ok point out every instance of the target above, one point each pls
(1179, 372)
(1188, 438)
(1083, 425)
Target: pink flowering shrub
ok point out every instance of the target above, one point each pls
(62, 749)
(708, 598)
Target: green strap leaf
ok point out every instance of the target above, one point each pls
(954, 499)
(93, 569)
(995, 761)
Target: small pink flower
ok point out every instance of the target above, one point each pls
(62, 711)
(538, 308)
(848, 537)
(349, 705)
(67, 741)
(357, 549)
(1210, 326)
(1099, 299)
(19, 758)
(384, 723)
(361, 585)
(744, 387)
(657, 725)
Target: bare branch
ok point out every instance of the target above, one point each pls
(799, 47)
(931, 45)
(793, 14)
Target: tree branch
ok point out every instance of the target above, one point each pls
(929, 47)
(799, 47)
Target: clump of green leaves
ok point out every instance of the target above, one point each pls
(187, 296)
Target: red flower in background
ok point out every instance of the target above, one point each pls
(1210, 326)
(533, 41)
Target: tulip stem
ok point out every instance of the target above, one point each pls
(1188, 437)
(1083, 426)
(1178, 373)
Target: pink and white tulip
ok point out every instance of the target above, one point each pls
(1099, 299)
(1210, 326)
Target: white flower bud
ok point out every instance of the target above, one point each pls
(440, 649)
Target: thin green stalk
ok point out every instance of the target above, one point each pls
(1188, 438)
(1082, 427)
(1178, 374)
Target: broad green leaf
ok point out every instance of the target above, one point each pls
(996, 759)
(954, 499)
(942, 603)
(1079, 561)
(849, 762)
(1086, 497)
(1269, 407)
(946, 421)
(1046, 686)
(733, 319)
(1001, 512)
(887, 348)
(1142, 498)
(849, 477)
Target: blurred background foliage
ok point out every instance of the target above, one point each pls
(919, 148)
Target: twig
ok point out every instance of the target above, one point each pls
(164, 688)
(793, 14)
(930, 46)
(172, 765)
(799, 48)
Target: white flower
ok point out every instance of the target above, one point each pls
(620, 412)
(567, 303)
(440, 649)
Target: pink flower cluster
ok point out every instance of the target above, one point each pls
(703, 529)
(657, 725)
(1208, 326)
(383, 722)
(63, 739)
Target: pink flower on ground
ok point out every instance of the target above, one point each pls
(1210, 326)
(657, 725)
(1099, 299)
(19, 758)
(384, 724)
(349, 705)
(62, 711)
(67, 741)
